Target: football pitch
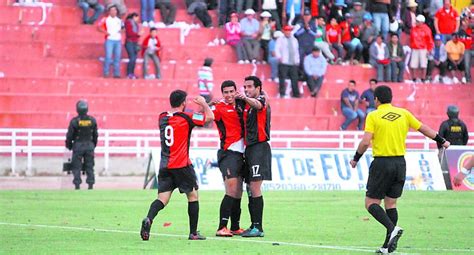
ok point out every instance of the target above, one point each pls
(295, 222)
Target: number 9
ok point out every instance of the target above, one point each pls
(169, 136)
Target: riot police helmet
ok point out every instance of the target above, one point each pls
(82, 107)
(453, 112)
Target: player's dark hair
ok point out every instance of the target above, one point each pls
(384, 94)
(353, 82)
(132, 15)
(228, 83)
(208, 61)
(177, 97)
(373, 80)
(153, 29)
(256, 81)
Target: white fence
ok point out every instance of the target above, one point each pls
(50, 142)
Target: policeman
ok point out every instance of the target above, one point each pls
(81, 138)
(453, 129)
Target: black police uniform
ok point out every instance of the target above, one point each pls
(81, 138)
(454, 130)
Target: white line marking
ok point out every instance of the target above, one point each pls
(342, 248)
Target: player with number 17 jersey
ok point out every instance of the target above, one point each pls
(175, 134)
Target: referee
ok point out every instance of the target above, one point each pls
(387, 128)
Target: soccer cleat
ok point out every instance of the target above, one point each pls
(196, 236)
(224, 232)
(394, 236)
(145, 231)
(253, 232)
(237, 232)
(382, 251)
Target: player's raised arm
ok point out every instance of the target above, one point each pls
(207, 110)
(253, 102)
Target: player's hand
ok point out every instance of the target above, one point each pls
(238, 95)
(353, 163)
(446, 144)
(200, 100)
(458, 178)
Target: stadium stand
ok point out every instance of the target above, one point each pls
(46, 68)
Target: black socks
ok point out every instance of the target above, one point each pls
(257, 212)
(225, 210)
(235, 214)
(155, 207)
(379, 214)
(193, 213)
(393, 216)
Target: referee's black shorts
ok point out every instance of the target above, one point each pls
(231, 163)
(258, 161)
(182, 178)
(386, 177)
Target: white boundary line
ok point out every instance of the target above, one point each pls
(331, 247)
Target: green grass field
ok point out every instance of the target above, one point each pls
(108, 222)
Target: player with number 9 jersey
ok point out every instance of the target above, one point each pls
(175, 134)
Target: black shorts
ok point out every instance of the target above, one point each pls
(258, 162)
(386, 177)
(231, 163)
(182, 178)
(452, 66)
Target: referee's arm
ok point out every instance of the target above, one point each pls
(430, 133)
(363, 146)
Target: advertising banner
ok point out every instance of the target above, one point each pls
(305, 169)
(456, 156)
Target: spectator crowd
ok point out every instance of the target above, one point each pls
(418, 41)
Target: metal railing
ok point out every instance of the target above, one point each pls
(50, 142)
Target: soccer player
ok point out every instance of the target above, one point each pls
(258, 155)
(467, 169)
(387, 128)
(228, 117)
(176, 170)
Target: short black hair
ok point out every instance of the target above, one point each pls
(208, 61)
(228, 83)
(353, 81)
(132, 15)
(177, 97)
(256, 81)
(393, 34)
(384, 94)
(315, 48)
(373, 80)
(153, 29)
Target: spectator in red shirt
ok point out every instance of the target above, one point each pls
(151, 48)
(350, 40)
(421, 43)
(333, 34)
(465, 36)
(132, 32)
(446, 21)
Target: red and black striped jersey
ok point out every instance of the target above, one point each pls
(257, 123)
(175, 135)
(228, 118)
